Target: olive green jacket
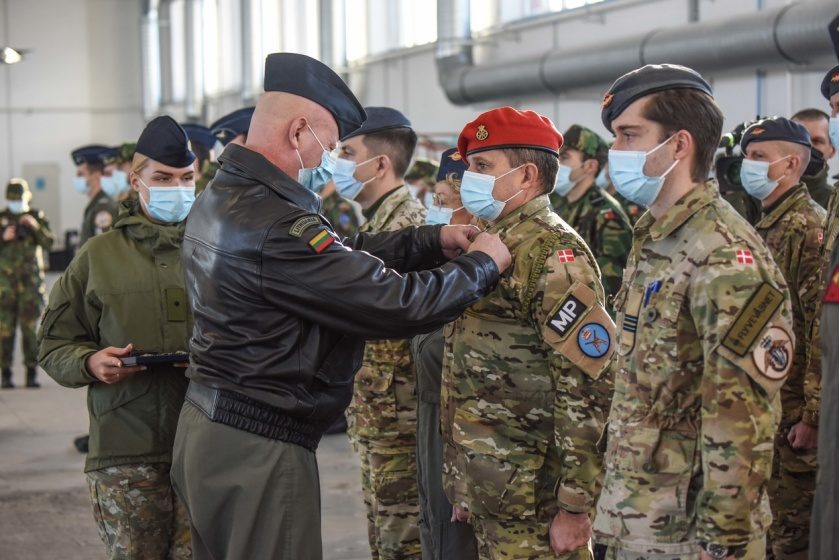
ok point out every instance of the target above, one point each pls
(819, 187)
(124, 286)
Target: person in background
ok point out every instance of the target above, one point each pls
(420, 179)
(233, 127)
(24, 236)
(202, 141)
(101, 210)
(124, 294)
(817, 123)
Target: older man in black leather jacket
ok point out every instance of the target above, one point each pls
(282, 309)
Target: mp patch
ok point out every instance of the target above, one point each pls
(748, 325)
(594, 340)
(300, 225)
(567, 315)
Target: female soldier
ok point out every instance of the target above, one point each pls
(124, 292)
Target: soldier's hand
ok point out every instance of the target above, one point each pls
(569, 531)
(106, 365)
(9, 233)
(459, 515)
(803, 436)
(30, 222)
(455, 240)
(492, 245)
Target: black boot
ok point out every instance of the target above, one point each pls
(6, 382)
(31, 381)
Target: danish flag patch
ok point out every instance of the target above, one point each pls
(744, 257)
(565, 255)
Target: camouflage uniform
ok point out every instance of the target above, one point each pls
(137, 513)
(819, 187)
(341, 215)
(22, 285)
(792, 229)
(704, 345)
(99, 216)
(382, 417)
(831, 227)
(606, 229)
(633, 211)
(526, 390)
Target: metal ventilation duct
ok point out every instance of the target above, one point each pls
(793, 34)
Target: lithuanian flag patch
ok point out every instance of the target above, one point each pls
(321, 241)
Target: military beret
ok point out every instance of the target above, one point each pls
(775, 128)
(301, 75)
(451, 163)
(586, 141)
(379, 119)
(647, 80)
(830, 83)
(109, 155)
(126, 152)
(88, 154)
(505, 127)
(422, 169)
(16, 188)
(232, 125)
(199, 134)
(164, 140)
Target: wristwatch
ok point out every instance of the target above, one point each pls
(717, 551)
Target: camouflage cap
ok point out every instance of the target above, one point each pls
(16, 188)
(422, 170)
(586, 141)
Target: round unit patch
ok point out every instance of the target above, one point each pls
(594, 340)
(773, 354)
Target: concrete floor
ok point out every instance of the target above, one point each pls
(44, 508)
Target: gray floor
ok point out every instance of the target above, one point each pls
(44, 512)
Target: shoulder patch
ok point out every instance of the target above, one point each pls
(754, 316)
(321, 241)
(773, 354)
(300, 225)
(568, 313)
(103, 220)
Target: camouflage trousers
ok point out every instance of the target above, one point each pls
(753, 551)
(791, 492)
(517, 540)
(22, 306)
(391, 497)
(138, 515)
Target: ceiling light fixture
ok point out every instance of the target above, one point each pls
(8, 55)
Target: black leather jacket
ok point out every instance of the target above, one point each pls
(285, 325)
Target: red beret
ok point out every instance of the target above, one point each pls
(506, 127)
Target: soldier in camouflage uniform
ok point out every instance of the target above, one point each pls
(101, 210)
(117, 161)
(816, 177)
(604, 182)
(526, 385)
(24, 236)
(382, 416)
(420, 180)
(339, 211)
(704, 340)
(592, 212)
(792, 227)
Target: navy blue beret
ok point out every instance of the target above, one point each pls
(199, 134)
(830, 83)
(776, 128)
(646, 80)
(88, 154)
(232, 125)
(379, 119)
(164, 140)
(109, 155)
(301, 75)
(451, 163)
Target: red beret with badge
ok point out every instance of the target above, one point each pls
(504, 128)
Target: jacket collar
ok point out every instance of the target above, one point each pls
(138, 227)
(257, 167)
(521, 214)
(791, 198)
(387, 205)
(699, 197)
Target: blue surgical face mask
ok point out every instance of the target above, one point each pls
(564, 184)
(315, 178)
(80, 184)
(413, 190)
(755, 177)
(476, 194)
(15, 206)
(428, 199)
(168, 205)
(626, 169)
(344, 178)
(602, 180)
(440, 215)
(116, 184)
(834, 132)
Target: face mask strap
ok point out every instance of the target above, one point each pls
(663, 143)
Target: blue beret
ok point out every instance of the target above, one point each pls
(830, 83)
(646, 80)
(88, 154)
(199, 134)
(379, 119)
(164, 140)
(232, 125)
(775, 128)
(451, 163)
(301, 75)
(109, 155)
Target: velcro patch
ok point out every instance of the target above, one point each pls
(569, 313)
(752, 319)
(831, 294)
(321, 241)
(302, 224)
(773, 354)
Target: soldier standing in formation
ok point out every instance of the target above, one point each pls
(704, 339)
(24, 236)
(382, 416)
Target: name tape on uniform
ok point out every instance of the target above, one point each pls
(752, 319)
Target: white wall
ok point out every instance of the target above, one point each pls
(80, 84)
(408, 81)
